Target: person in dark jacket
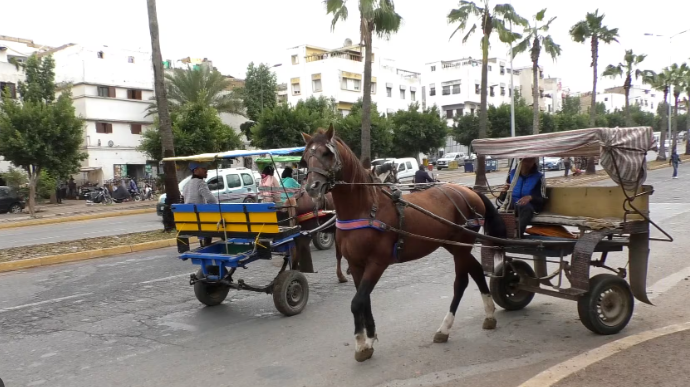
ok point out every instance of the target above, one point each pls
(422, 176)
(674, 161)
(529, 193)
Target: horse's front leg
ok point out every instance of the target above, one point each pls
(365, 327)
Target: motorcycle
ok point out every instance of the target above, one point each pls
(136, 196)
(99, 195)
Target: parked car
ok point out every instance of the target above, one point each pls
(10, 201)
(551, 164)
(231, 185)
(406, 167)
(447, 158)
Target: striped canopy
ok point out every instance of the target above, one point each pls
(626, 146)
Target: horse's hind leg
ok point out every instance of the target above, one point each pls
(477, 273)
(461, 281)
(338, 270)
(365, 328)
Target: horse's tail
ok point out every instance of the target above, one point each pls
(493, 223)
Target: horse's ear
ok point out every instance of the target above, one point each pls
(306, 137)
(330, 133)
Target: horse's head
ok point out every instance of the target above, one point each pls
(322, 160)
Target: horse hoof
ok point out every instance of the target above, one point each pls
(342, 280)
(440, 337)
(489, 323)
(364, 354)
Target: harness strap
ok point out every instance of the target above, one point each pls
(400, 207)
(357, 224)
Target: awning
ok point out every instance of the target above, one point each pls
(236, 153)
(89, 169)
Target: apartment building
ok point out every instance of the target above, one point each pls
(550, 89)
(647, 99)
(338, 74)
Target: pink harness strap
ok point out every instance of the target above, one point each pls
(359, 224)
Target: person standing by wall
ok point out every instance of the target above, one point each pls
(566, 166)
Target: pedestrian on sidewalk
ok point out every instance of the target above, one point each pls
(566, 166)
(675, 160)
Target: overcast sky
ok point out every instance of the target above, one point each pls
(233, 33)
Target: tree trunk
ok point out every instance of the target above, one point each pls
(535, 97)
(591, 168)
(365, 156)
(687, 127)
(33, 181)
(661, 156)
(171, 190)
(480, 177)
(626, 88)
(674, 125)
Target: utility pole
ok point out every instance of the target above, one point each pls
(512, 89)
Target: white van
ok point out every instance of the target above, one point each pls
(406, 167)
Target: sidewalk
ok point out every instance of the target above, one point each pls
(73, 208)
(661, 361)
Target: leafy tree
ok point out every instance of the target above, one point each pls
(15, 178)
(660, 82)
(465, 129)
(499, 119)
(418, 131)
(677, 75)
(535, 39)
(379, 17)
(626, 69)
(41, 133)
(488, 20)
(197, 128)
(259, 91)
(246, 129)
(202, 85)
(571, 105)
(349, 128)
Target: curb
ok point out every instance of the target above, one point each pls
(84, 255)
(562, 370)
(64, 219)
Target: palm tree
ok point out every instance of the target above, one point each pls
(593, 29)
(171, 189)
(489, 20)
(201, 85)
(661, 83)
(535, 40)
(677, 76)
(626, 69)
(686, 90)
(375, 16)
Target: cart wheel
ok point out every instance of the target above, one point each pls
(290, 292)
(608, 306)
(209, 294)
(323, 240)
(504, 289)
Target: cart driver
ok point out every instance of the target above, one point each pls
(196, 191)
(529, 192)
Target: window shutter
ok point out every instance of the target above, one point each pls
(13, 91)
(111, 92)
(109, 128)
(139, 92)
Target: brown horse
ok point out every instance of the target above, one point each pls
(366, 216)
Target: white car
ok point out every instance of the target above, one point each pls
(444, 161)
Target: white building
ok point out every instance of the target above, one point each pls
(338, 74)
(550, 89)
(111, 89)
(14, 50)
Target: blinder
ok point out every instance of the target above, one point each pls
(330, 174)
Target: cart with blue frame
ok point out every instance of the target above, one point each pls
(249, 232)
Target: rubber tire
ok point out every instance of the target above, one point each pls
(15, 209)
(249, 199)
(497, 286)
(282, 285)
(319, 244)
(209, 294)
(587, 304)
(137, 198)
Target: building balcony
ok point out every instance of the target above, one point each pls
(351, 56)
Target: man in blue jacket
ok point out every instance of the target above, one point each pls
(529, 193)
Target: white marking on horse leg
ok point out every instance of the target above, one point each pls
(443, 332)
(360, 341)
(489, 309)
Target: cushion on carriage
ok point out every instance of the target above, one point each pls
(259, 218)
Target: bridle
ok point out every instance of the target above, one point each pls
(330, 174)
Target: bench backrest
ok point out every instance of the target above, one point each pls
(593, 202)
(239, 217)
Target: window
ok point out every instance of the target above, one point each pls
(408, 164)
(413, 96)
(106, 91)
(215, 184)
(100, 55)
(295, 59)
(432, 90)
(503, 90)
(402, 94)
(130, 59)
(472, 111)
(446, 90)
(12, 89)
(351, 84)
(449, 114)
(541, 94)
(4, 193)
(373, 87)
(502, 69)
(296, 89)
(401, 167)
(233, 180)
(433, 68)
(135, 128)
(476, 88)
(316, 85)
(489, 68)
(247, 179)
(134, 94)
(389, 92)
(456, 89)
(491, 91)
(458, 112)
(102, 127)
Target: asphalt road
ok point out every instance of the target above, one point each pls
(49, 233)
(133, 320)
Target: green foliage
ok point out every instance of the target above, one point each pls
(246, 129)
(418, 131)
(349, 129)
(571, 105)
(259, 90)
(196, 129)
(283, 125)
(466, 128)
(47, 183)
(15, 178)
(499, 119)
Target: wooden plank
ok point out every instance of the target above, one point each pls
(593, 202)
